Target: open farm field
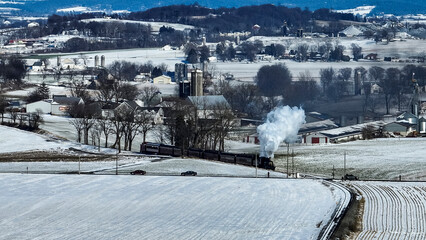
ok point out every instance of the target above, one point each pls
(149, 207)
(393, 210)
(382, 158)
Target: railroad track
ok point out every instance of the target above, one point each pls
(338, 213)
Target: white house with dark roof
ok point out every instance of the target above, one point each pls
(58, 105)
(206, 105)
(61, 105)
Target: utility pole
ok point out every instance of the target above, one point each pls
(79, 163)
(255, 163)
(292, 163)
(344, 164)
(116, 163)
(288, 150)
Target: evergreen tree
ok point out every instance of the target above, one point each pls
(192, 56)
(43, 91)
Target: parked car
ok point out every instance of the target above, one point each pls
(138, 172)
(189, 173)
(349, 177)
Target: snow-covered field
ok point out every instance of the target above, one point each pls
(155, 26)
(160, 205)
(147, 207)
(385, 158)
(393, 210)
(140, 55)
(370, 159)
(17, 141)
(61, 127)
(246, 71)
(14, 140)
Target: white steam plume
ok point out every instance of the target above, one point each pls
(282, 124)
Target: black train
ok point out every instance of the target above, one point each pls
(235, 158)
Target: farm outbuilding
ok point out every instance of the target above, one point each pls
(44, 105)
(163, 79)
(401, 127)
(61, 105)
(352, 132)
(315, 138)
(252, 138)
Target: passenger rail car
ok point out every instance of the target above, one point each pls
(234, 158)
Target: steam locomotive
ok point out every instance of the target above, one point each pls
(227, 157)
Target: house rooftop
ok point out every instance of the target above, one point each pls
(66, 100)
(110, 106)
(351, 130)
(208, 102)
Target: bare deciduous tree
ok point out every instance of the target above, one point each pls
(106, 127)
(84, 118)
(148, 94)
(79, 89)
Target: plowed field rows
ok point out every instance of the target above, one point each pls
(393, 210)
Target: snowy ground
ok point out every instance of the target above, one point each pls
(15, 141)
(370, 159)
(393, 210)
(155, 26)
(61, 127)
(146, 207)
(246, 71)
(140, 55)
(159, 205)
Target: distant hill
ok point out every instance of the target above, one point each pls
(36, 7)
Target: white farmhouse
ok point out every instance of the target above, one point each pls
(61, 104)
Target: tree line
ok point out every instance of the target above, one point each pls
(275, 85)
(270, 17)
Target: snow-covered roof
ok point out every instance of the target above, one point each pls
(207, 102)
(361, 10)
(404, 123)
(351, 130)
(66, 100)
(33, 24)
(317, 126)
(351, 31)
(73, 9)
(405, 116)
